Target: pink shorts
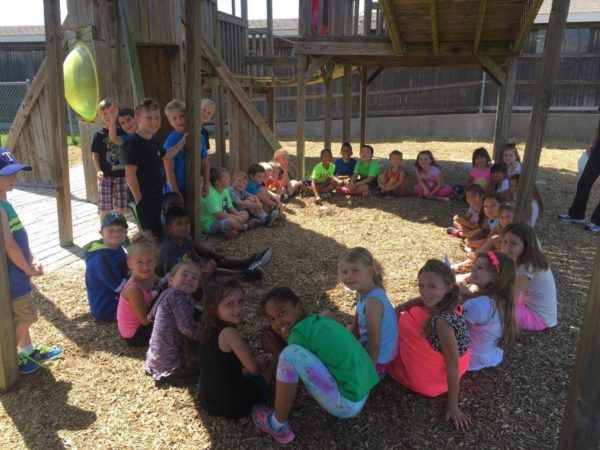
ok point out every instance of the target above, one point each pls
(526, 319)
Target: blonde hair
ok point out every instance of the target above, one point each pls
(141, 242)
(208, 102)
(363, 258)
(240, 175)
(280, 152)
(174, 104)
(104, 104)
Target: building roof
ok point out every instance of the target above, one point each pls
(22, 33)
(579, 11)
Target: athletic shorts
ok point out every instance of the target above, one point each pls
(24, 310)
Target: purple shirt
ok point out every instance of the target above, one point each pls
(173, 317)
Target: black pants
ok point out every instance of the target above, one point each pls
(141, 338)
(148, 211)
(584, 187)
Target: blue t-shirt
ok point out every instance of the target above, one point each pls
(19, 282)
(388, 344)
(341, 168)
(173, 139)
(252, 187)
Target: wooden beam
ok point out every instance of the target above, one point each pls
(270, 100)
(527, 19)
(364, 72)
(244, 8)
(315, 64)
(301, 117)
(434, 28)
(368, 10)
(506, 94)
(193, 97)
(390, 20)
(479, 26)
(541, 105)
(347, 117)
(57, 122)
(219, 119)
(9, 369)
(284, 61)
(580, 421)
(492, 69)
(374, 75)
(327, 120)
(131, 53)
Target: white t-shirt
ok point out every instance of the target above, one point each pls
(535, 213)
(514, 171)
(540, 294)
(503, 187)
(485, 329)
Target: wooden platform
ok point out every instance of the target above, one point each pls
(37, 209)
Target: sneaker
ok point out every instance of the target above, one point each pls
(231, 234)
(261, 259)
(27, 364)
(342, 191)
(568, 219)
(592, 227)
(454, 232)
(260, 417)
(252, 224)
(326, 195)
(255, 274)
(271, 218)
(43, 353)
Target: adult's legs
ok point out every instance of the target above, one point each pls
(584, 187)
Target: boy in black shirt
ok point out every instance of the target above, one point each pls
(143, 165)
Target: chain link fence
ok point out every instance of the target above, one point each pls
(12, 94)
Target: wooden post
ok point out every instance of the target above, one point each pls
(580, 421)
(9, 369)
(327, 75)
(219, 119)
(506, 94)
(541, 106)
(270, 98)
(301, 116)
(347, 118)
(363, 104)
(57, 123)
(270, 35)
(367, 17)
(193, 73)
(244, 7)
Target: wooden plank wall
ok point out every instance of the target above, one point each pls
(87, 131)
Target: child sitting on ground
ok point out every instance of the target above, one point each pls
(490, 314)
(344, 166)
(22, 265)
(499, 177)
(393, 181)
(224, 389)
(488, 221)
(480, 172)
(536, 308)
(322, 181)
(506, 215)
(282, 157)
(217, 212)
(434, 340)
(537, 205)
(172, 355)
(364, 178)
(510, 157)
(430, 183)
(375, 324)
(106, 268)
(136, 297)
(109, 161)
(243, 201)
(256, 186)
(334, 367)
(470, 221)
(273, 183)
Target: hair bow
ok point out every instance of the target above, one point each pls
(494, 260)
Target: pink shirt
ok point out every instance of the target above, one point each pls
(482, 177)
(429, 177)
(127, 322)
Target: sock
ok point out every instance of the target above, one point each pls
(28, 349)
(245, 227)
(263, 216)
(274, 423)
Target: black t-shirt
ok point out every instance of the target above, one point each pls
(204, 133)
(112, 157)
(147, 155)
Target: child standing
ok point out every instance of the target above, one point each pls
(480, 172)
(537, 205)
(243, 201)
(106, 268)
(335, 369)
(433, 346)
(22, 265)
(430, 183)
(321, 182)
(109, 162)
(375, 323)
(344, 166)
(364, 178)
(393, 181)
(217, 212)
(137, 294)
(172, 355)
(470, 221)
(510, 157)
(490, 315)
(499, 177)
(536, 308)
(224, 389)
(143, 166)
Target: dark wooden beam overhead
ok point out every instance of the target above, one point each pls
(434, 29)
(479, 26)
(526, 22)
(314, 65)
(390, 21)
(374, 75)
(493, 69)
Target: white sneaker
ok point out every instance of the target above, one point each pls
(568, 219)
(592, 227)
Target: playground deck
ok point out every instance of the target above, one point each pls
(36, 206)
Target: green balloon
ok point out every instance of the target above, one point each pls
(81, 82)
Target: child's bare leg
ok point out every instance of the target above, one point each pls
(285, 394)
(22, 334)
(358, 190)
(329, 187)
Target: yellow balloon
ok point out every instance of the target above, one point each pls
(81, 82)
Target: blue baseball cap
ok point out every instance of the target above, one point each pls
(114, 218)
(9, 164)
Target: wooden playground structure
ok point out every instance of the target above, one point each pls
(187, 49)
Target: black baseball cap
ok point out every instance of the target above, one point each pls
(9, 164)
(114, 218)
